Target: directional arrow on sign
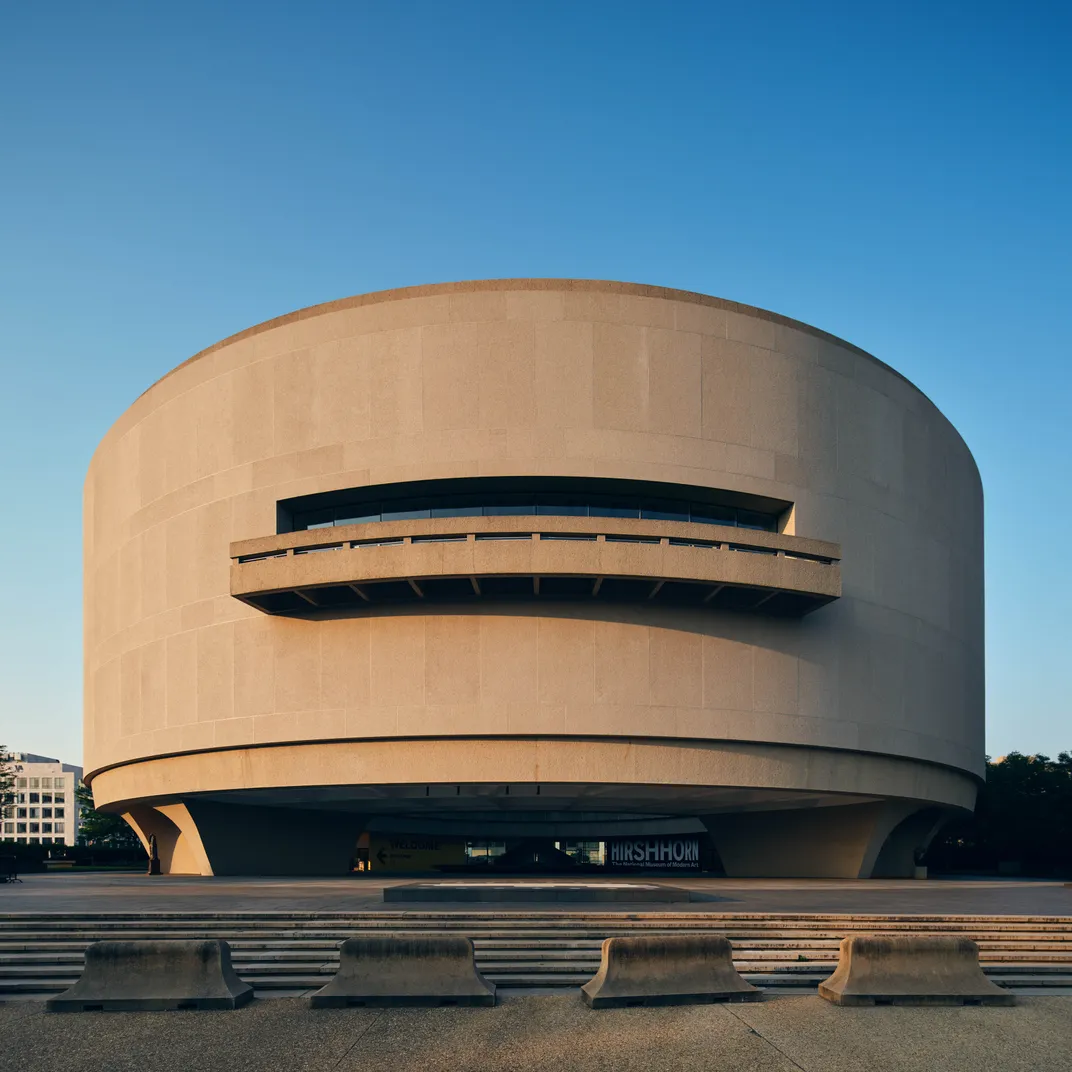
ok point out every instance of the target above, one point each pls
(382, 857)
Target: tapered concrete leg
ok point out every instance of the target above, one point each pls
(243, 840)
(207, 838)
(178, 842)
(897, 858)
(843, 841)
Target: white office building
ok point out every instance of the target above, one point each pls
(45, 811)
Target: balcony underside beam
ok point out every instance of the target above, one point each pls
(309, 599)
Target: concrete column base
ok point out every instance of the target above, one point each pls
(178, 842)
(208, 838)
(840, 841)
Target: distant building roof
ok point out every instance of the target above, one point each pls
(30, 757)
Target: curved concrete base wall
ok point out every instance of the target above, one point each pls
(820, 814)
(640, 767)
(833, 841)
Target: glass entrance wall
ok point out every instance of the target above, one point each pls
(592, 853)
(483, 853)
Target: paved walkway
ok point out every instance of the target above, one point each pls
(544, 1034)
(110, 892)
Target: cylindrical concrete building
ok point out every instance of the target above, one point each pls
(533, 561)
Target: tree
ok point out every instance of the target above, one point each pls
(1023, 818)
(101, 829)
(7, 780)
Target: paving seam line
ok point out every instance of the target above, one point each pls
(26, 1007)
(759, 1034)
(360, 1036)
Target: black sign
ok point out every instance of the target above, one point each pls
(678, 853)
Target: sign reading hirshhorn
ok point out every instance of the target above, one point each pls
(682, 853)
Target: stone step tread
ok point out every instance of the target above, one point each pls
(298, 985)
(528, 923)
(521, 914)
(299, 917)
(516, 934)
(256, 970)
(38, 988)
(537, 919)
(420, 923)
(532, 962)
(741, 951)
(240, 955)
(742, 955)
(313, 981)
(259, 972)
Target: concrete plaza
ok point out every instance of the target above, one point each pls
(538, 1031)
(117, 892)
(798, 1034)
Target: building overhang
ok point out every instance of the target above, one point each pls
(477, 559)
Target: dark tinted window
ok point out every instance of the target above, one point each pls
(665, 510)
(404, 515)
(749, 519)
(590, 500)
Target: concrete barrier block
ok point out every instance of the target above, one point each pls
(151, 976)
(675, 969)
(911, 970)
(398, 969)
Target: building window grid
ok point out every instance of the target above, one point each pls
(40, 790)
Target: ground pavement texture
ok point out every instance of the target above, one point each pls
(102, 892)
(559, 1033)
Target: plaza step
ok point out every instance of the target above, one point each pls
(291, 953)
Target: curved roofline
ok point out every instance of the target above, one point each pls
(607, 286)
(641, 290)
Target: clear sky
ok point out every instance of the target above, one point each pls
(897, 174)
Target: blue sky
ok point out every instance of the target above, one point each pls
(896, 174)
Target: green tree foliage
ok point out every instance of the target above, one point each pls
(100, 829)
(1023, 817)
(7, 778)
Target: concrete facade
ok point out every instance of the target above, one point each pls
(831, 742)
(44, 810)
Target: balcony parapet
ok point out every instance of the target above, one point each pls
(535, 557)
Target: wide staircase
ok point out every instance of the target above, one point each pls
(287, 954)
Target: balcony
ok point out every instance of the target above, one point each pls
(469, 559)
